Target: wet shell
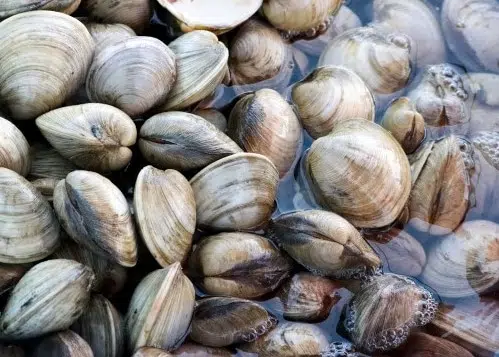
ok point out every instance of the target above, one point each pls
(9, 276)
(47, 163)
(382, 61)
(288, 340)
(223, 321)
(95, 214)
(194, 350)
(44, 57)
(151, 352)
(324, 243)
(329, 95)
(360, 172)
(63, 344)
(238, 264)
(14, 148)
(12, 7)
(245, 183)
(105, 34)
(133, 75)
(381, 315)
(214, 117)
(29, 231)
(11, 351)
(165, 212)
(160, 311)
(183, 141)
(264, 123)
(487, 143)
(422, 345)
(133, 13)
(48, 298)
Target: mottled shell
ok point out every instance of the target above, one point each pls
(44, 57)
(92, 136)
(151, 352)
(47, 163)
(165, 212)
(264, 123)
(247, 186)
(29, 231)
(133, 75)
(105, 34)
(160, 311)
(223, 321)
(382, 61)
(14, 148)
(421, 345)
(133, 13)
(95, 214)
(238, 264)
(329, 95)
(194, 350)
(214, 117)
(360, 172)
(63, 344)
(48, 298)
(9, 276)
(13, 7)
(324, 243)
(487, 143)
(102, 327)
(183, 141)
(201, 66)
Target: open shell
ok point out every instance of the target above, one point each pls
(133, 13)
(13, 7)
(14, 148)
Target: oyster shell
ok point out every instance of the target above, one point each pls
(214, 117)
(13, 7)
(14, 148)
(63, 344)
(421, 344)
(133, 13)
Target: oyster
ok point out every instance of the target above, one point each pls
(421, 345)
(14, 148)
(12, 7)
(214, 117)
(133, 13)
(63, 344)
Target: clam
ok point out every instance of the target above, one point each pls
(409, 17)
(29, 231)
(486, 142)
(201, 66)
(264, 123)
(441, 96)
(160, 311)
(46, 187)
(96, 215)
(44, 57)
(9, 276)
(14, 148)
(216, 16)
(133, 13)
(105, 34)
(382, 61)
(325, 243)
(360, 172)
(245, 183)
(13, 7)
(183, 141)
(468, 26)
(307, 297)
(11, 351)
(151, 352)
(441, 190)
(165, 212)
(423, 345)
(329, 95)
(133, 75)
(195, 350)
(223, 321)
(47, 163)
(48, 298)
(102, 327)
(382, 314)
(257, 52)
(238, 264)
(484, 110)
(288, 340)
(213, 116)
(300, 18)
(63, 344)
(405, 123)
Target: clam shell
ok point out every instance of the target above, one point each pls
(46, 187)
(9, 276)
(63, 344)
(47, 163)
(342, 349)
(11, 351)
(13, 7)
(151, 352)
(486, 142)
(133, 13)
(14, 148)
(485, 107)
(214, 117)
(105, 34)
(194, 350)
(48, 298)
(95, 214)
(421, 344)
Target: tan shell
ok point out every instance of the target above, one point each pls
(29, 231)
(264, 123)
(201, 66)
(194, 350)
(360, 172)
(92, 136)
(160, 311)
(214, 117)
(45, 56)
(105, 34)
(133, 13)
(48, 298)
(96, 215)
(63, 344)
(382, 61)
(405, 123)
(13, 7)
(7, 350)
(246, 183)
(329, 95)
(47, 163)
(240, 265)
(421, 345)
(133, 75)
(325, 243)
(9, 276)
(151, 352)
(165, 212)
(183, 141)
(14, 148)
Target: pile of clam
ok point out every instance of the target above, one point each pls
(249, 178)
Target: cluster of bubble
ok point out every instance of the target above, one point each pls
(388, 339)
(427, 308)
(362, 273)
(447, 79)
(340, 349)
(488, 144)
(252, 334)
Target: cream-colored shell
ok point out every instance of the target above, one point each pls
(13, 7)
(95, 214)
(48, 298)
(44, 57)
(245, 183)
(133, 75)
(329, 95)
(133, 13)
(213, 116)
(14, 148)
(63, 344)
(92, 136)
(165, 212)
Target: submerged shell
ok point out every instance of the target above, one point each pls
(421, 345)
(63, 344)
(214, 117)
(487, 143)
(13, 7)
(14, 148)
(133, 13)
